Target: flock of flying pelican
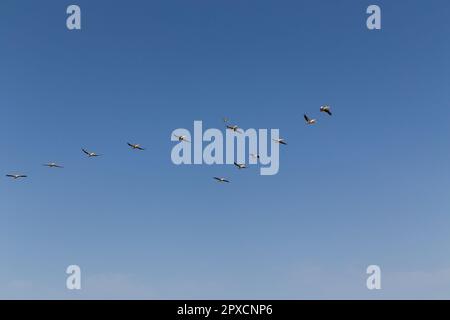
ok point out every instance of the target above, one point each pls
(325, 108)
(309, 121)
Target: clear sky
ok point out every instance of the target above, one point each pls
(369, 185)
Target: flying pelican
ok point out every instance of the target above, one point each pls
(90, 154)
(326, 109)
(280, 141)
(308, 120)
(52, 165)
(16, 176)
(221, 179)
(181, 138)
(240, 165)
(234, 128)
(135, 146)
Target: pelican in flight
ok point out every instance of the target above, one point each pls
(280, 141)
(308, 120)
(90, 154)
(135, 146)
(181, 138)
(221, 179)
(52, 165)
(234, 128)
(240, 165)
(16, 176)
(326, 109)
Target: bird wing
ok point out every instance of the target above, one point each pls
(85, 151)
(130, 144)
(306, 117)
(10, 176)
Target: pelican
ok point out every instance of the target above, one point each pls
(90, 154)
(181, 138)
(308, 120)
(326, 109)
(280, 141)
(240, 165)
(135, 146)
(234, 128)
(16, 176)
(52, 165)
(221, 179)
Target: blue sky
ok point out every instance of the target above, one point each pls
(366, 186)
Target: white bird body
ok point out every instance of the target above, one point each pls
(309, 120)
(16, 176)
(135, 146)
(240, 165)
(52, 165)
(181, 138)
(234, 128)
(326, 109)
(280, 141)
(90, 154)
